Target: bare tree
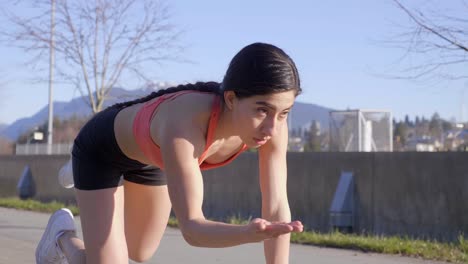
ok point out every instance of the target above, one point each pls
(435, 42)
(98, 42)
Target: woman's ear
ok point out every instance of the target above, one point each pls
(229, 99)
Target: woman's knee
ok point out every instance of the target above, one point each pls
(140, 254)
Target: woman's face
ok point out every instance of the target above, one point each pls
(258, 118)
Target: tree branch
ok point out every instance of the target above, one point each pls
(101, 39)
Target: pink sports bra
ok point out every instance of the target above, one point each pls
(141, 131)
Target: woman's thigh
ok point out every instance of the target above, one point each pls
(102, 222)
(147, 210)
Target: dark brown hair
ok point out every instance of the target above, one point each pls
(257, 69)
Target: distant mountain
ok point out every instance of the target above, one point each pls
(64, 110)
(2, 127)
(302, 113)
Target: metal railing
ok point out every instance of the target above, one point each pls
(42, 149)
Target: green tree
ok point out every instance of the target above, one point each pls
(408, 121)
(446, 125)
(313, 143)
(401, 133)
(435, 126)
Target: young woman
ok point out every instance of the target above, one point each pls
(159, 144)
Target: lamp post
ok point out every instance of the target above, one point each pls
(51, 78)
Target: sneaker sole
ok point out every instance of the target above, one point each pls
(65, 175)
(49, 224)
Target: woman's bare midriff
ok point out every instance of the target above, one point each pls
(123, 128)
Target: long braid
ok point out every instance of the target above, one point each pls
(212, 87)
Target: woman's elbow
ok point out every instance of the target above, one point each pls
(189, 236)
(190, 239)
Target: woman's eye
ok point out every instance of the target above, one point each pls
(284, 115)
(262, 110)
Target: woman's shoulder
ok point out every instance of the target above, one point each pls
(186, 116)
(186, 111)
(190, 104)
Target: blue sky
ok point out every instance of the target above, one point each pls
(336, 46)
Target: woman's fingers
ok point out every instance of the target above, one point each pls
(297, 226)
(275, 230)
(265, 229)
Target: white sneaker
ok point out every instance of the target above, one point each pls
(48, 250)
(65, 175)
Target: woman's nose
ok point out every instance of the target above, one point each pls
(269, 127)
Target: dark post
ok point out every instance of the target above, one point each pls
(26, 186)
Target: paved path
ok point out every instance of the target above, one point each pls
(20, 231)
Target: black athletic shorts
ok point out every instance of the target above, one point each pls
(99, 163)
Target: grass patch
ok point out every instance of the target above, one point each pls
(173, 222)
(237, 220)
(34, 205)
(431, 250)
(453, 252)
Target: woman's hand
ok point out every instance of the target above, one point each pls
(261, 229)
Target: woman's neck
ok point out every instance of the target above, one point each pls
(225, 129)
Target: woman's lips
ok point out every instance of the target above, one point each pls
(260, 141)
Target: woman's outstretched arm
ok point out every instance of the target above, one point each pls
(275, 206)
(181, 145)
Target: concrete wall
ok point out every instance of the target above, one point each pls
(415, 194)
(422, 194)
(44, 170)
